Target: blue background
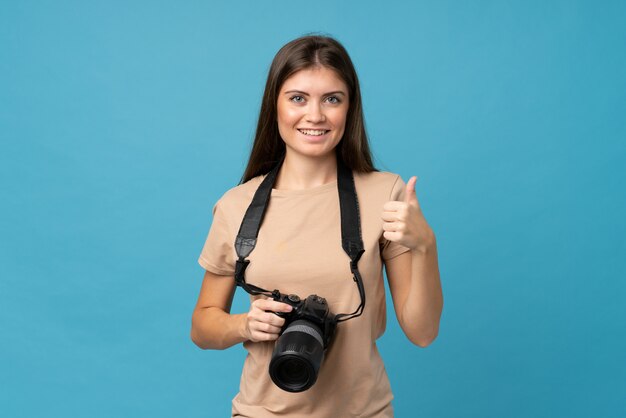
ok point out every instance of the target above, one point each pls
(123, 122)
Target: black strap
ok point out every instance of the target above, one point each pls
(351, 240)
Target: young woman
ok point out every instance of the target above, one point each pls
(311, 116)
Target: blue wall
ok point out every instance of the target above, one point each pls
(121, 123)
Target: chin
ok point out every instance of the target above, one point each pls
(311, 153)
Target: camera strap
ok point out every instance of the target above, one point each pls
(351, 240)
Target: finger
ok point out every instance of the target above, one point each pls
(272, 305)
(392, 236)
(409, 192)
(258, 301)
(272, 329)
(268, 328)
(258, 336)
(393, 205)
(391, 226)
(261, 320)
(390, 216)
(273, 319)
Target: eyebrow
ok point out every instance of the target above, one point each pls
(306, 94)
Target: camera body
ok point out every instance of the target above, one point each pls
(313, 309)
(304, 337)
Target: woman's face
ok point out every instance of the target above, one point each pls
(312, 110)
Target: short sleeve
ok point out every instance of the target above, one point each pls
(217, 255)
(390, 249)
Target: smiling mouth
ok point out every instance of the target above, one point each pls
(313, 132)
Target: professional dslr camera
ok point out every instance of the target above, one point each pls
(299, 351)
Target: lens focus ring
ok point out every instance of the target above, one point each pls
(307, 330)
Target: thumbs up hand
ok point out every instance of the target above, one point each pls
(404, 223)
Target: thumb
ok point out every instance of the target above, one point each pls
(409, 193)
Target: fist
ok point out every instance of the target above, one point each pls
(404, 223)
(261, 323)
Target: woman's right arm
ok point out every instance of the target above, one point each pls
(214, 327)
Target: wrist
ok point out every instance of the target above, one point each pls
(243, 327)
(427, 244)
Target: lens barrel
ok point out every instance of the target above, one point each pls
(297, 356)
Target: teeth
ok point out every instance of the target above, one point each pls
(312, 132)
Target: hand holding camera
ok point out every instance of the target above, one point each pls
(303, 328)
(262, 324)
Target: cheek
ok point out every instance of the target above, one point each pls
(291, 115)
(286, 114)
(339, 117)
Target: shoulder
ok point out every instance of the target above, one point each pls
(379, 182)
(239, 196)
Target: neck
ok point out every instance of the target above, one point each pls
(299, 172)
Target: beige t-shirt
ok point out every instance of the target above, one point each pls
(299, 251)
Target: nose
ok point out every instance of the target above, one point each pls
(315, 113)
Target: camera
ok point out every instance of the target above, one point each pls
(303, 339)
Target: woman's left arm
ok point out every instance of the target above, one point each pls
(414, 275)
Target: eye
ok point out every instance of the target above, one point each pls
(337, 100)
(296, 101)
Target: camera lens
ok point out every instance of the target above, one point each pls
(297, 356)
(292, 371)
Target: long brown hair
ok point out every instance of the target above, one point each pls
(303, 53)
